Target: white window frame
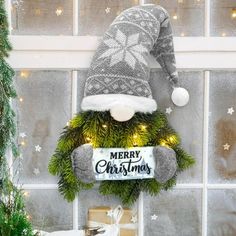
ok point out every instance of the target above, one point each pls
(75, 52)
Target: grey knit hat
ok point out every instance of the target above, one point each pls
(119, 73)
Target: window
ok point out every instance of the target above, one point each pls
(53, 44)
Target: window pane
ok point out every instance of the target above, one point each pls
(223, 18)
(191, 116)
(43, 109)
(187, 16)
(95, 16)
(48, 211)
(176, 212)
(91, 198)
(42, 17)
(221, 213)
(222, 127)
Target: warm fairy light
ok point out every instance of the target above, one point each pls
(175, 16)
(28, 217)
(223, 34)
(24, 74)
(88, 139)
(26, 194)
(135, 136)
(143, 127)
(233, 14)
(163, 143)
(22, 143)
(180, 1)
(182, 34)
(104, 126)
(21, 99)
(67, 123)
(59, 11)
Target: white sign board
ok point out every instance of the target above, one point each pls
(123, 163)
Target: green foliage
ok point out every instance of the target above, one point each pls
(101, 130)
(13, 220)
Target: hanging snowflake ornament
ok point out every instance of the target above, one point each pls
(22, 135)
(226, 146)
(154, 217)
(230, 110)
(168, 110)
(38, 148)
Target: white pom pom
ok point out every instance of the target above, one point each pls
(122, 113)
(180, 96)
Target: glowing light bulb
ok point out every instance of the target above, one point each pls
(59, 11)
(233, 14)
(180, 1)
(26, 194)
(175, 16)
(135, 136)
(21, 99)
(143, 127)
(223, 34)
(67, 123)
(28, 217)
(88, 139)
(22, 143)
(104, 126)
(182, 34)
(24, 74)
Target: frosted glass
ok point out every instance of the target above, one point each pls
(222, 127)
(42, 17)
(221, 213)
(222, 22)
(187, 16)
(48, 211)
(187, 120)
(43, 109)
(92, 198)
(177, 212)
(96, 16)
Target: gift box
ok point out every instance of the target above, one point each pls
(115, 221)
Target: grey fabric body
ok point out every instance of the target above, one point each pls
(120, 64)
(165, 163)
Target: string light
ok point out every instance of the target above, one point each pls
(28, 217)
(180, 1)
(22, 143)
(67, 123)
(104, 126)
(182, 34)
(233, 13)
(135, 136)
(88, 139)
(175, 16)
(26, 194)
(223, 34)
(143, 127)
(21, 99)
(59, 11)
(24, 74)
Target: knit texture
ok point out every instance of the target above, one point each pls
(120, 64)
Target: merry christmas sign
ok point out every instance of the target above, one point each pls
(121, 163)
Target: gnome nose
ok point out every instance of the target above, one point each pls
(122, 113)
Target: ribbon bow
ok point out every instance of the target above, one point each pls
(114, 227)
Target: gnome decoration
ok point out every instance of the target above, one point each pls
(120, 132)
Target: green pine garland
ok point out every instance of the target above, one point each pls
(100, 129)
(13, 219)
